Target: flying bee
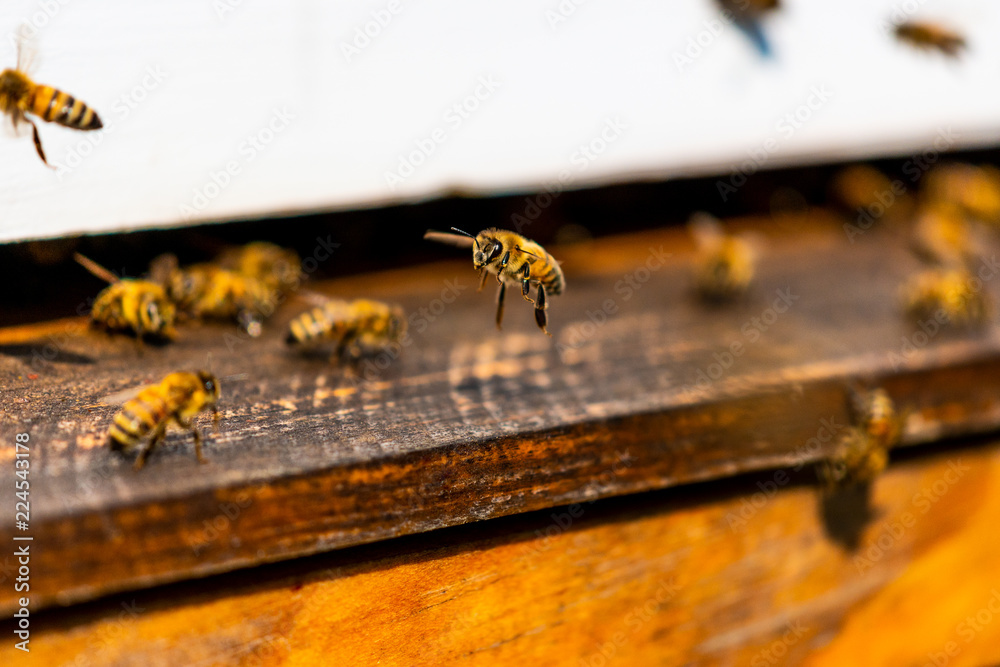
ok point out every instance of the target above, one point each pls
(140, 307)
(207, 291)
(725, 264)
(357, 328)
(925, 35)
(947, 292)
(511, 258)
(177, 399)
(19, 96)
(862, 452)
(278, 268)
(975, 190)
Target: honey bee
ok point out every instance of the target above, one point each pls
(511, 258)
(947, 292)
(865, 192)
(975, 190)
(133, 306)
(19, 96)
(178, 398)
(358, 328)
(725, 264)
(930, 36)
(942, 235)
(278, 268)
(862, 452)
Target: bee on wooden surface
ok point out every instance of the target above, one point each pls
(140, 307)
(925, 35)
(725, 264)
(177, 399)
(948, 293)
(278, 268)
(975, 190)
(357, 328)
(865, 193)
(20, 96)
(512, 259)
(862, 453)
(943, 235)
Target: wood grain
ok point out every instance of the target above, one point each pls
(717, 574)
(471, 424)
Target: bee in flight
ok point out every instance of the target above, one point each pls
(178, 399)
(725, 264)
(950, 292)
(19, 96)
(140, 307)
(862, 452)
(931, 36)
(511, 258)
(278, 268)
(357, 328)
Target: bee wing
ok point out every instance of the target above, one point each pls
(162, 267)
(311, 297)
(122, 396)
(448, 238)
(27, 48)
(95, 268)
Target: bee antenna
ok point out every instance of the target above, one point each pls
(474, 239)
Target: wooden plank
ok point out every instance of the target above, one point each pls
(471, 424)
(663, 578)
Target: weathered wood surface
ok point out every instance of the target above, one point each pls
(715, 574)
(470, 423)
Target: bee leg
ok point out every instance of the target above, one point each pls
(503, 265)
(503, 288)
(38, 142)
(526, 282)
(153, 442)
(197, 438)
(540, 318)
(346, 343)
(482, 280)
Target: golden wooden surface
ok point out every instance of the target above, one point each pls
(742, 572)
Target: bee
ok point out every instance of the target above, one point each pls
(725, 264)
(511, 258)
(19, 96)
(862, 452)
(358, 328)
(278, 268)
(864, 191)
(930, 36)
(975, 190)
(943, 235)
(949, 292)
(133, 306)
(178, 398)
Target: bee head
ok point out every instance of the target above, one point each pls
(486, 249)
(210, 384)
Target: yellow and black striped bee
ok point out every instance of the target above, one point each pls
(19, 96)
(511, 258)
(140, 307)
(178, 398)
(944, 236)
(947, 293)
(862, 452)
(278, 268)
(357, 328)
(931, 36)
(725, 264)
(975, 190)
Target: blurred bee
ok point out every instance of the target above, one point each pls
(207, 291)
(140, 307)
(942, 235)
(975, 190)
(862, 452)
(278, 268)
(178, 398)
(865, 193)
(357, 328)
(511, 258)
(930, 36)
(19, 96)
(947, 291)
(725, 264)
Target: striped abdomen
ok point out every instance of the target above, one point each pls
(137, 418)
(62, 108)
(362, 325)
(330, 322)
(548, 274)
